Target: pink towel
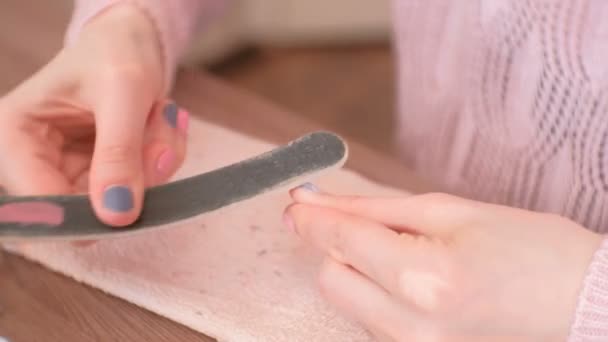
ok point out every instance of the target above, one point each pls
(236, 274)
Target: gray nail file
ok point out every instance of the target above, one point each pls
(184, 198)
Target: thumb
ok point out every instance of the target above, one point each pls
(116, 180)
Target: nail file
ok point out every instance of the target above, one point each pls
(71, 217)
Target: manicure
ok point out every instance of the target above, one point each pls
(309, 187)
(165, 161)
(183, 117)
(170, 112)
(118, 198)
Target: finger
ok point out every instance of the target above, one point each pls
(359, 298)
(74, 165)
(116, 175)
(165, 142)
(427, 214)
(413, 268)
(26, 175)
(29, 149)
(359, 242)
(28, 165)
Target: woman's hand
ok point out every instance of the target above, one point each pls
(94, 119)
(441, 268)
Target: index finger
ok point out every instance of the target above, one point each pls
(429, 214)
(405, 265)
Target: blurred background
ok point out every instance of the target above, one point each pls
(330, 61)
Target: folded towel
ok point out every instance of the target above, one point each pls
(235, 274)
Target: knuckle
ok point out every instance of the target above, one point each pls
(125, 74)
(355, 201)
(429, 291)
(330, 233)
(116, 154)
(445, 206)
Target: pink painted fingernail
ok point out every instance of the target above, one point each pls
(182, 120)
(165, 161)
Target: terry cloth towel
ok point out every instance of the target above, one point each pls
(236, 274)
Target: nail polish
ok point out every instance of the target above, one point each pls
(118, 198)
(309, 187)
(165, 161)
(183, 118)
(171, 114)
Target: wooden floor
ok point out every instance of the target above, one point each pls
(349, 90)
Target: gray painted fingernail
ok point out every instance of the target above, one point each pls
(310, 187)
(4, 339)
(170, 112)
(118, 199)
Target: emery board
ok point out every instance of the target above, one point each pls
(185, 198)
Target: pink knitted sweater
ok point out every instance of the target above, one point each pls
(503, 101)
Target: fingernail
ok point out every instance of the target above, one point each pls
(164, 164)
(288, 221)
(309, 187)
(4, 339)
(118, 198)
(183, 118)
(170, 112)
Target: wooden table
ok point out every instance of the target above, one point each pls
(39, 305)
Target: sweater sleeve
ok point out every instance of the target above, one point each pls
(591, 317)
(176, 22)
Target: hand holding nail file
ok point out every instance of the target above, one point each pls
(72, 218)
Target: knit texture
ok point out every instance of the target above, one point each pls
(591, 317)
(505, 102)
